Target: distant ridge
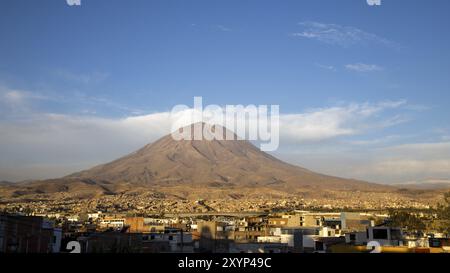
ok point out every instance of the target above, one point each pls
(5, 183)
(432, 184)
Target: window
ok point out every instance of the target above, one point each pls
(380, 234)
(396, 234)
(319, 246)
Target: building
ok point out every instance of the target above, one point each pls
(110, 242)
(249, 229)
(356, 238)
(174, 241)
(319, 244)
(351, 221)
(112, 223)
(385, 236)
(28, 234)
(213, 237)
(278, 221)
(135, 225)
(258, 248)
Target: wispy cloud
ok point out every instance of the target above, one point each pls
(19, 96)
(413, 161)
(335, 34)
(326, 67)
(95, 102)
(222, 28)
(325, 123)
(392, 163)
(377, 141)
(12, 95)
(210, 27)
(83, 78)
(361, 67)
(14, 101)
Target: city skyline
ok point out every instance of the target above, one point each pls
(224, 135)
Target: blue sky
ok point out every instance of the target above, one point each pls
(108, 62)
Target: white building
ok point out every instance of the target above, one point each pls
(57, 237)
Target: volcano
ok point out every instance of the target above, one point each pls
(194, 168)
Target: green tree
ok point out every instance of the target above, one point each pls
(406, 220)
(443, 215)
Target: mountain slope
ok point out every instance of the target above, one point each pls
(214, 163)
(194, 168)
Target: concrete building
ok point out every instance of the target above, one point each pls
(356, 238)
(173, 241)
(258, 248)
(351, 221)
(111, 242)
(112, 222)
(213, 237)
(317, 244)
(28, 234)
(386, 236)
(278, 221)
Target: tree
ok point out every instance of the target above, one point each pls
(443, 214)
(406, 220)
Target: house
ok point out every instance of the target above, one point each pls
(175, 241)
(356, 238)
(323, 244)
(385, 236)
(258, 248)
(110, 242)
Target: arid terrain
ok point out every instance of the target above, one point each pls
(231, 170)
